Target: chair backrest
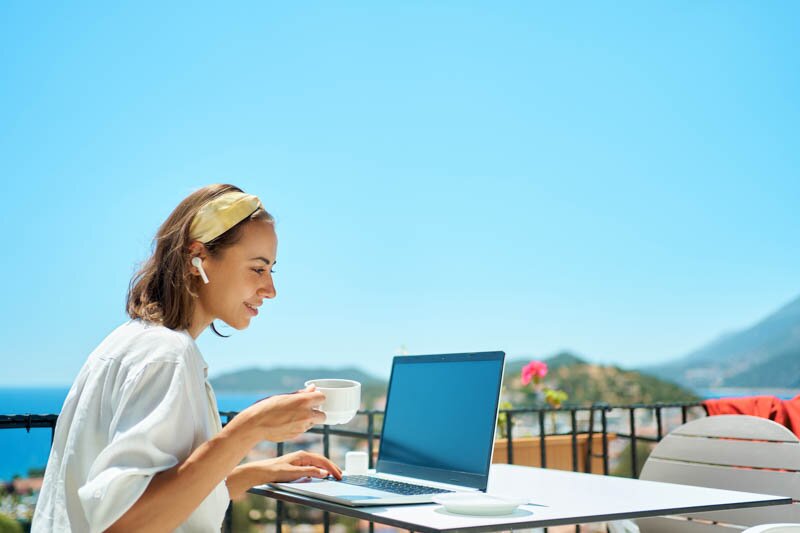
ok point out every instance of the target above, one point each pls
(734, 452)
(774, 528)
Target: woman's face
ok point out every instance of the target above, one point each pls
(240, 277)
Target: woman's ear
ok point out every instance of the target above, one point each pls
(198, 249)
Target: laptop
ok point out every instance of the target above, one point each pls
(437, 437)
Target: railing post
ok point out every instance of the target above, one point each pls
(542, 437)
(326, 451)
(632, 418)
(370, 450)
(370, 439)
(509, 439)
(604, 425)
(279, 503)
(587, 466)
(574, 420)
(228, 522)
(659, 424)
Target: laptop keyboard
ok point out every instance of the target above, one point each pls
(396, 487)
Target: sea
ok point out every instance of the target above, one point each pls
(21, 451)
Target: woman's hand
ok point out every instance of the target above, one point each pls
(281, 417)
(287, 467)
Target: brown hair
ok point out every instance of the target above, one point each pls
(163, 290)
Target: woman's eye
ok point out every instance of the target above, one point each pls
(259, 271)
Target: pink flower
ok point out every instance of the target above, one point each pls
(535, 370)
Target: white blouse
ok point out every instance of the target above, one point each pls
(140, 405)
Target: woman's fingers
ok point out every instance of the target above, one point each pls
(318, 417)
(308, 396)
(314, 398)
(286, 416)
(310, 471)
(304, 458)
(296, 465)
(306, 399)
(327, 464)
(311, 401)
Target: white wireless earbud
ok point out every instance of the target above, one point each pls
(196, 261)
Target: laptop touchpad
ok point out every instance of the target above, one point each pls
(339, 489)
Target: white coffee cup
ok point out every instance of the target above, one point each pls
(342, 399)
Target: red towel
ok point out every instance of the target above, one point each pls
(784, 412)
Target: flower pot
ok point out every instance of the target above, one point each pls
(558, 451)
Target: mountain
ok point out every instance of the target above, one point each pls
(585, 382)
(514, 367)
(285, 379)
(766, 354)
(782, 370)
(595, 383)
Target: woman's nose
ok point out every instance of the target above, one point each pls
(268, 290)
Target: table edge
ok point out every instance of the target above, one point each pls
(355, 512)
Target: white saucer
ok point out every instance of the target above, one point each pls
(478, 503)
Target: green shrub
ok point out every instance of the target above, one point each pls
(623, 467)
(9, 525)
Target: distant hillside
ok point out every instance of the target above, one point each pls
(780, 371)
(288, 379)
(586, 382)
(514, 367)
(283, 378)
(766, 354)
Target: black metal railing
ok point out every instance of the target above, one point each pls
(644, 423)
(608, 417)
(28, 422)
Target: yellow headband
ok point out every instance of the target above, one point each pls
(221, 214)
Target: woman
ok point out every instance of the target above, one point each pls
(139, 444)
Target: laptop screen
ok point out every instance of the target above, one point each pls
(441, 412)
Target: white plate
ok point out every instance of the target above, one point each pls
(478, 503)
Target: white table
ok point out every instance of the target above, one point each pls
(557, 498)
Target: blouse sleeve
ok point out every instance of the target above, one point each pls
(152, 429)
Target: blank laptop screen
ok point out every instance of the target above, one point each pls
(440, 418)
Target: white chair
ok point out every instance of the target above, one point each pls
(774, 528)
(622, 526)
(734, 452)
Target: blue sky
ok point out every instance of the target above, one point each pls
(617, 179)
